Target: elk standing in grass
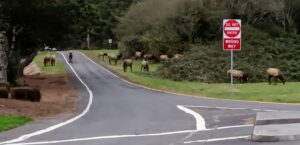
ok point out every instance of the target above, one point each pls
(113, 57)
(47, 60)
(52, 59)
(101, 55)
(145, 65)
(127, 63)
(239, 75)
(276, 73)
(163, 57)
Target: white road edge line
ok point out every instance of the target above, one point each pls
(103, 137)
(230, 108)
(217, 139)
(200, 122)
(126, 136)
(24, 137)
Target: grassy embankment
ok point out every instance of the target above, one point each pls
(9, 122)
(288, 93)
(58, 68)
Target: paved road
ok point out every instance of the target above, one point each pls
(124, 114)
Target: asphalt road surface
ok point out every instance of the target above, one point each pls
(112, 111)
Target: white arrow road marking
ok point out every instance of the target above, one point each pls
(24, 137)
(200, 122)
(217, 139)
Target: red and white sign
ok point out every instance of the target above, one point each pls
(232, 34)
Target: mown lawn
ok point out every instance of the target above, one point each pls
(9, 122)
(288, 93)
(39, 60)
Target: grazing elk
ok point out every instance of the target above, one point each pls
(52, 60)
(178, 56)
(276, 73)
(47, 60)
(145, 65)
(113, 57)
(163, 57)
(101, 55)
(239, 75)
(127, 63)
(138, 55)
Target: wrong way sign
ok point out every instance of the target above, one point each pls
(232, 34)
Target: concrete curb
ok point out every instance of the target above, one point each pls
(276, 127)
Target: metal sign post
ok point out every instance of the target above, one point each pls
(231, 42)
(231, 74)
(110, 42)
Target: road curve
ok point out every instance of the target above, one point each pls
(125, 114)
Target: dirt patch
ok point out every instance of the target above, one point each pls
(57, 96)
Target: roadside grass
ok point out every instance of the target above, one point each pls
(263, 92)
(58, 68)
(10, 122)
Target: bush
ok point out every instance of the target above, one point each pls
(26, 93)
(209, 63)
(3, 92)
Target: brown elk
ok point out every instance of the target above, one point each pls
(145, 65)
(113, 57)
(276, 73)
(239, 75)
(127, 63)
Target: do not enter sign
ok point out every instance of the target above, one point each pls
(232, 34)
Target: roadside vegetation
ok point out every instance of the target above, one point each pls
(252, 91)
(10, 122)
(270, 37)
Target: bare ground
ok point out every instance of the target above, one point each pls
(57, 96)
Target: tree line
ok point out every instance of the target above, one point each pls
(28, 26)
(191, 27)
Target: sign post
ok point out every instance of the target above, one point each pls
(110, 42)
(232, 41)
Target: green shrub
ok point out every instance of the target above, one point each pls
(209, 63)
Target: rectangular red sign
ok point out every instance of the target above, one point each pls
(232, 43)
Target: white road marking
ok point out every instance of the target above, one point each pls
(229, 108)
(217, 139)
(237, 126)
(24, 137)
(200, 122)
(127, 136)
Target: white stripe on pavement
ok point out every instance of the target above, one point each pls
(126, 136)
(229, 108)
(24, 137)
(217, 139)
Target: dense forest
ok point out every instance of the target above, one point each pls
(27, 26)
(270, 33)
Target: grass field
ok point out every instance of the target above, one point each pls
(288, 93)
(9, 122)
(58, 68)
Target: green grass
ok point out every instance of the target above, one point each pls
(288, 93)
(9, 122)
(58, 68)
